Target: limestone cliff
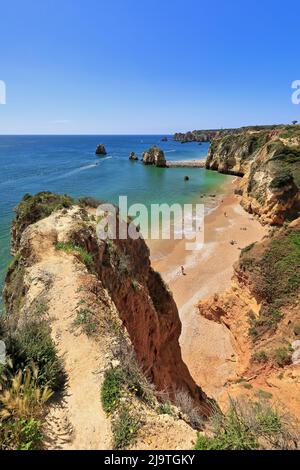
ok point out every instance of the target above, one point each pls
(269, 161)
(154, 156)
(261, 309)
(207, 135)
(122, 268)
(195, 136)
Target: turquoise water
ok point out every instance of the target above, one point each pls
(67, 164)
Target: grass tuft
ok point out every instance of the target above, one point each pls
(249, 426)
(125, 428)
(71, 247)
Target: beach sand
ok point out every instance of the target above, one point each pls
(206, 346)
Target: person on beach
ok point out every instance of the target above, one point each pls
(225, 214)
(182, 271)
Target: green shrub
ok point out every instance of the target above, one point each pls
(206, 443)
(21, 404)
(134, 284)
(282, 267)
(230, 432)
(31, 434)
(43, 204)
(290, 132)
(249, 426)
(253, 332)
(284, 153)
(247, 248)
(275, 276)
(246, 263)
(89, 202)
(269, 421)
(247, 385)
(123, 380)
(125, 428)
(266, 322)
(260, 356)
(165, 409)
(111, 389)
(283, 179)
(33, 344)
(86, 319)
(71, 247)
(21, 434)
(282, 356)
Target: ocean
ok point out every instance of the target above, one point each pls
(68, 164)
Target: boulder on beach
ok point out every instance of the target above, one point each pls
(100, 150)
(132, 156)
(154, 156)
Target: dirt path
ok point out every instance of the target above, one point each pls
(77, 421)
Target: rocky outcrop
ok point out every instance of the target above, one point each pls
(164, 139)
(30, 210)
(133, 156)
(154, 156)
(269, 161)
(123, 270)
(100, 150)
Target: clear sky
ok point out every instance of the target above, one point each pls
(147, 66)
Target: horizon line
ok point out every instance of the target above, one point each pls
(93, 135)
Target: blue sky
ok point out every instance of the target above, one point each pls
(137, 66)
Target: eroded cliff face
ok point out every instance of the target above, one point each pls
(261, 309)
(269, 161)
(122, 269)
(154, 156)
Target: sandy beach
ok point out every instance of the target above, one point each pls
(206, 346)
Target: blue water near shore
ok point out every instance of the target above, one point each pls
(67, 164)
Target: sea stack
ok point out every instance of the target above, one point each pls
(133, 156)
(164, 139)
(100, 150)
(154, 156)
